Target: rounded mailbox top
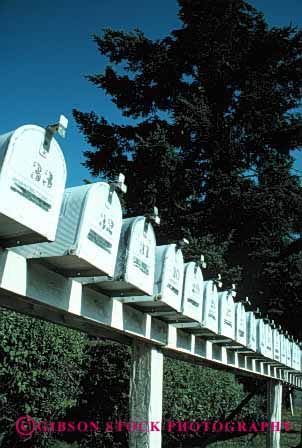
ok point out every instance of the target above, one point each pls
(226, 314)
(29, 141)
(210, 307)
(192, 291)
(32, 179)
(101, 222)
(139, 242)
(169, 274)
(240, 322)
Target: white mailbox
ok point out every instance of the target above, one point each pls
(166, 299)
(32, 182)
(88, 233)
(295, 352)
(169, 275)
(261, 337)
(226, 319)
(240, 324)
(276, 345)
(299, 359)
(283, 349)
(295, 356)
(269, 340)
(288, 352)
(251, 331)
(210, 307)
(192, 299)
(135, 264)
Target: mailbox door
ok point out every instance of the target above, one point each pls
(240, 323)
(298, 367)
(172, 277)
(226, 315)
(283, 349)
(210, 306)
(288, 353)
(100, 228)
(277, 345)
(140, 258)
(261, 337)
(269, 341)
(192, 292)
(251, 330)
(32, 181)
(294, 350)
(294, 355)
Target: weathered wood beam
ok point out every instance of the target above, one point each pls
(274, 411)
(33, 289)
(146, 384)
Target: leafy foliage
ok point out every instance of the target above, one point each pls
(41, 366)
(190, 392)
(104, 397)
(194, 393)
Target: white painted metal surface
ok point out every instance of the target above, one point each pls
(32, 181)
(240, 324)
(269, 340)
(88, 233)
(210, 307)
(296, 356)
(261, 337)
(169, 275)
(192, 299)
(283, 348)
(251, 330)
(276, 345)
(288, 352)
(166, 301)
(226, 311)
(135, 264)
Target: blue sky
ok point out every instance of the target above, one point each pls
(46, 49)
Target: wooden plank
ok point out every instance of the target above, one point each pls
(146, 384)
(35, 290)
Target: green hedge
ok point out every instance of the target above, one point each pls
(51, 373)
(41, 366)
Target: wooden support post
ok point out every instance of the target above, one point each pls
(291, 402)
(146, 384)
(274, 411)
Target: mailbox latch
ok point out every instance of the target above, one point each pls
(50, 131)
(200, 263)
(117, 184)
(151, 217)
(217, 281)
(182, 243)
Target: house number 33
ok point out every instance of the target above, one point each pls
(45, 176)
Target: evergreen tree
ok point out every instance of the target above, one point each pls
(212, 142)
